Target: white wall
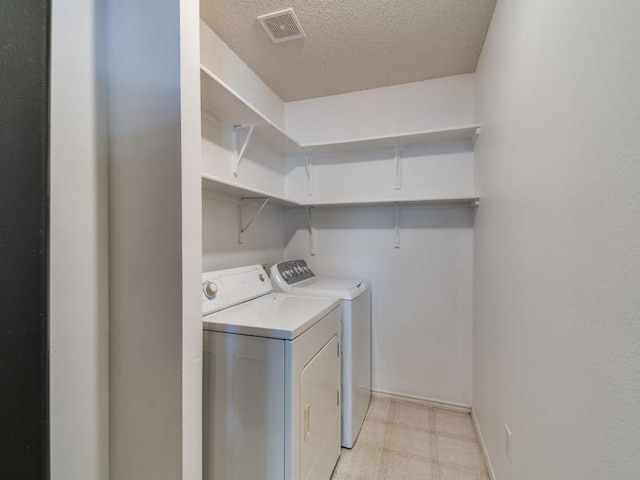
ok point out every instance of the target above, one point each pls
(191, 216)
(557, 256)
(431, 104)
(155, 240)
(261, 169)
(262, 243)
(421, 291)
(79, 295)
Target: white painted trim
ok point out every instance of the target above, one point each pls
(456, 407)
(483, 446)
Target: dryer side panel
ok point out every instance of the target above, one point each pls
(357, 362)
(244, 434)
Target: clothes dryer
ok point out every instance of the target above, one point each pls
(296, 278)
(271, 380)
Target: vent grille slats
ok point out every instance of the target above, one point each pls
(282, 26)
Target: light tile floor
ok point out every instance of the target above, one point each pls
(402, 441)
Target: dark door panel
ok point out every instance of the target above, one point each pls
(24, 143)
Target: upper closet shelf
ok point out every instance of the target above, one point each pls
(222, 101)
(455, 133)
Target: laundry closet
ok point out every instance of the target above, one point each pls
(374, 184)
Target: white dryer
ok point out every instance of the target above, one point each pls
(271, 380)
(294, 277)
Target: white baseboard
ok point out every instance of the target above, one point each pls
(456, 407)
(483, 446)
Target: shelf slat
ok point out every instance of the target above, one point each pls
(222, 101)
(228, 187)
(370, 143)
(219, 100)
(458, 201)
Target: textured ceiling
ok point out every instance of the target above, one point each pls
(354, 44)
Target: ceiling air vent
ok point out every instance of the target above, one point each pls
(282, 26)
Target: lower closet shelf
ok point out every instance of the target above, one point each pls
(228, 187)
(457, 201)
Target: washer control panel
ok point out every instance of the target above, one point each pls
(294, 271)
(225, 288)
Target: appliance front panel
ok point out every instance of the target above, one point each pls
(320, 422)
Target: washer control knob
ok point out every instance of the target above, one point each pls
(210, 289)
(261, 277)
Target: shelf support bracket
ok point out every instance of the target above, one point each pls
(240, 149)
(312, 238)
(309, 167)
(243, 227)
(396, 166)
(396, 214)
(476, 135)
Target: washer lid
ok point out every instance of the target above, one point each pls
(343, 288)
(275, 315)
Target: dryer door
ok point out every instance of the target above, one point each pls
(320, 409)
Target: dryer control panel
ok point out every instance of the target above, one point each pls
(293, 271)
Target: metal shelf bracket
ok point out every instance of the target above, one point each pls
(309, 167)
(396, 165)
(312, 237)
(243, 227)
(396, 213)
(240, 149)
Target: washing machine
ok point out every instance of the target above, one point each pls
(296, 278)
(271, 390)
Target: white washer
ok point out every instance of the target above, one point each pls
(271, 380)
(296, 278)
